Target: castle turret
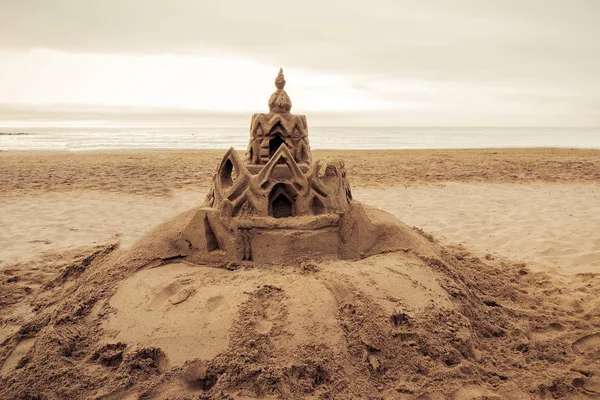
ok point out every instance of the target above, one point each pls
(269, 131)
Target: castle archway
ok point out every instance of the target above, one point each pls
(282, 201)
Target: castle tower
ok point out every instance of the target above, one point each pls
(269, 131)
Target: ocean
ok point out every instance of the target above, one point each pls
(155, 138)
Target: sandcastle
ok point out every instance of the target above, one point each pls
(277, 203)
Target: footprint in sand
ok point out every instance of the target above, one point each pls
(180, 296)
(268, 308)
(172, 294)
(587, 343)
(213, 303)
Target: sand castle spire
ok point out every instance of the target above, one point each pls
(280, 102)
(280, 80)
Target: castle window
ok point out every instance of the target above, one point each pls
(274, 145)
(228, 174)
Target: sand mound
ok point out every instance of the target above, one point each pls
(418, 321)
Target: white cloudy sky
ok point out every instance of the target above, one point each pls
(387, 62)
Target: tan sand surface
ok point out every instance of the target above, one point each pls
(158, 172)
(443, 321)
(32, 224)
(553, 225)
(149, 306)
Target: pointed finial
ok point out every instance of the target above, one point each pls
(280, 80)
(280, 101)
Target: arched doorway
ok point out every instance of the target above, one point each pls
(282, 206)
(281, 201)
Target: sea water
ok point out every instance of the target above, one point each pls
(155, 138)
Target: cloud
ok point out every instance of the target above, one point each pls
(535, 57)
(506, 40)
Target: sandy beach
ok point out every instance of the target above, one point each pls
(378, 200)
(534, 204)
(533, 212)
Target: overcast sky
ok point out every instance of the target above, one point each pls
(445, 62)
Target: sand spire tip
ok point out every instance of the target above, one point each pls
(280, 80)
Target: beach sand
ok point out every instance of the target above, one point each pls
(530, 216)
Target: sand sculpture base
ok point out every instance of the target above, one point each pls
(212, 236)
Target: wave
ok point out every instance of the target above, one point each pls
(14, 133)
